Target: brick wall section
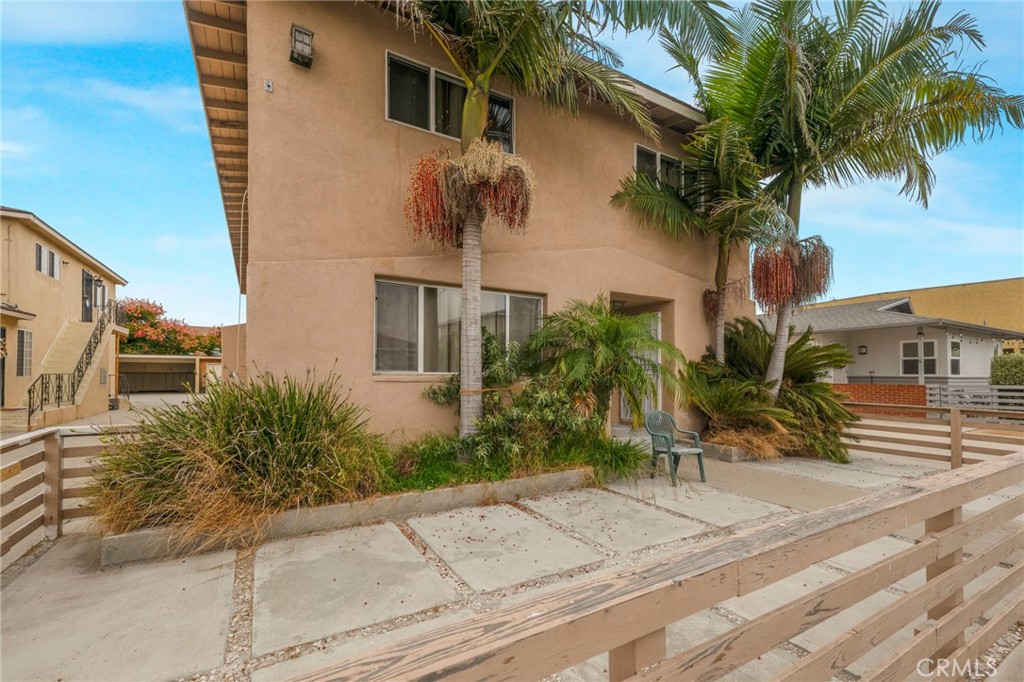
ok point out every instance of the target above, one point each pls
(889, 394)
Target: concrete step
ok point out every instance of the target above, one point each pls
(65, 351)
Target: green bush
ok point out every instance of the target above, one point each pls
(218, 466)
(1007, 370)
(734, 397)
(501, 367)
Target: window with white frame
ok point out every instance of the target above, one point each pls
(910, 356)
(954, 358)
(24, 364)
(47, 262)
(658, 166)
(418, 326)
(426, 98)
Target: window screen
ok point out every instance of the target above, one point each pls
(408, 93)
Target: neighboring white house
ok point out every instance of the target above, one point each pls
(892, 345)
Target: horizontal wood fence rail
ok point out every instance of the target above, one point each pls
(935, 433)
(977, 395)
(36, 499)
(626, 612)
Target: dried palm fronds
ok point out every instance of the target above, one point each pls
(711, 303)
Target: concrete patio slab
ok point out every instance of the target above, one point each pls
(494, 547)
(68, 621)
(308, 588)
(761, 483)
(613, 521)
(815, 469)
(285, 670)
(899, 467)
(698, 501)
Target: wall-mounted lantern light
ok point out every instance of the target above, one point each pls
(862, 350)
(302, 46)
(871, 373)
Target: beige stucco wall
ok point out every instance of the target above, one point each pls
(327, 177)
(232, 342)
(53, 301)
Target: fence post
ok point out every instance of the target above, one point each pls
(942, 522)
(956, 439)
(53, 480)
(630, 658)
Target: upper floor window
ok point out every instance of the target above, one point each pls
(418, 327)
(656, 165)
(910, 356)
(432, 100)
(47, 262)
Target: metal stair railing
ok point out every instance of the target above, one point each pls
(59, 388)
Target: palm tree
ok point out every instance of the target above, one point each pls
(857, 95)
(541, 49)
(720, 198)
(596, 349)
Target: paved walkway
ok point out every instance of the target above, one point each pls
(295, 605)
(131, 414)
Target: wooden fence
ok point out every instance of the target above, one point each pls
(959, 435)
(625, 613)
(977, 395)
(43, 478)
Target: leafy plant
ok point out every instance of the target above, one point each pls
(501, 367)
(595, 349)
(217, 467)
(735, 398)
(1007, 370)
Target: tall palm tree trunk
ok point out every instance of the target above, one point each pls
(721, 284)
(471, 404)
(777, 363)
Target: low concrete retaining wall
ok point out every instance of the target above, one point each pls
(157, 543)
(726, 453)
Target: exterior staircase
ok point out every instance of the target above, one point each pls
(61, 361)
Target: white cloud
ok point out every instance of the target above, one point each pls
(91, 23)
(176, 105)
(27, 132)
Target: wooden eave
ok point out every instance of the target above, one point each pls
(217, 31)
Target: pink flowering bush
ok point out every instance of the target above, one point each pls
(150, 332)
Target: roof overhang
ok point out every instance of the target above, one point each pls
(10, 311)
(930, 322)
(34, 221)
(217, 31)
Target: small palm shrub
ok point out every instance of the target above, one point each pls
(216, 468)
(594, 349)
(807, 419)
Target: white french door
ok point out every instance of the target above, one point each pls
(651, 402)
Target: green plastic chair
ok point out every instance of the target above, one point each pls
(663, 429)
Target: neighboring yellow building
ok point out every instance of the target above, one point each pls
(319, 158)
(59, 327)
(997, 303)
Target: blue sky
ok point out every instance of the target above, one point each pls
(103, 137)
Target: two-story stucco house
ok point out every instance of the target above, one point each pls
(60, 331)
(314, 160)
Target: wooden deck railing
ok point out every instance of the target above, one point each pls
(959, 435)
(44, 477)
(625, 613)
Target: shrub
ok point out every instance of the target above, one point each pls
(1007, 370)
(808, 418)
(216, 468)
(501, 367)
